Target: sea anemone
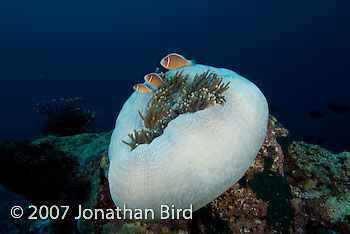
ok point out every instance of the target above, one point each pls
(177, 96)
(186, 141)
(64, 117)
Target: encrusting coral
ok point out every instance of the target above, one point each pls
(177, 96)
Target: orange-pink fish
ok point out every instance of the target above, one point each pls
(154, 79)
(142, 88)
(173, 61)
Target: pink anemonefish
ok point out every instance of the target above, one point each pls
(154, 79)
(142, 88)
(173, 61)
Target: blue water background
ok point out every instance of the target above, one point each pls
(297, 52)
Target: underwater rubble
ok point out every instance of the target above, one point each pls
(292, 187)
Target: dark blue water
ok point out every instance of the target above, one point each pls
(297, 52)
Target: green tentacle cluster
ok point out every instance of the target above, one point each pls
(177, 96)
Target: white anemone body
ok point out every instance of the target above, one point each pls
(197, 158)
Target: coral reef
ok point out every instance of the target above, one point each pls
(292, 187)
(320, 183)
(52, 171)
(24, 164)
(64, 118)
